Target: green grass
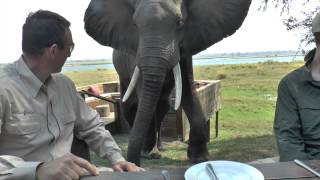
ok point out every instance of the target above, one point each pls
(249, 94)
(82, 78)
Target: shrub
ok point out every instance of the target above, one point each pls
(221, 76)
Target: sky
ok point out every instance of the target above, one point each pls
(261, 31)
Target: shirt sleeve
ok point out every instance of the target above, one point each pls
(15, 168)
(91, 129)
(287, 126)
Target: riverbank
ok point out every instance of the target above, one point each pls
(197, 61)
(249, 94)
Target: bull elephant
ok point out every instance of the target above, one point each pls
(154, 41)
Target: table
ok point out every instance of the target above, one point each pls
(287, 170)
(271, 171)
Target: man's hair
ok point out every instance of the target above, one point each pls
(43, 29)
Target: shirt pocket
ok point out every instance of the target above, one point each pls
(310, 120)
(68, 121)
(23, 124)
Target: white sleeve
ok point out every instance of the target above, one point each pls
(15, 168)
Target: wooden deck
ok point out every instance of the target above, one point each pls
(108, 90)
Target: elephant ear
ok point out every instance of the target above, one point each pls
(209, 21)
(110, 23)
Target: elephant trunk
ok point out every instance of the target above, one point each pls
(153, 77)
(177, 80)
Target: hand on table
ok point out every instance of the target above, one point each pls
(126, 166)
(68, 167)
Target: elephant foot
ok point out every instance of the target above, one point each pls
(150, 155)
(198, 154)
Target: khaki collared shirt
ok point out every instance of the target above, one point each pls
(38, 121)
(297, 116)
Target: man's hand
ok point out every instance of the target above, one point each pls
(68, 167)
(126, 166)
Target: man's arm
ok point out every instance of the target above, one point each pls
(287, 126)
(90, 128)
(66, 167)
(15, 168)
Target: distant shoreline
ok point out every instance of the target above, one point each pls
(89, 62)
(248, 56)
(108, 61)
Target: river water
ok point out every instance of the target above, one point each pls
(198, 62)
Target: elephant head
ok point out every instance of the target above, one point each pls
(157, 32)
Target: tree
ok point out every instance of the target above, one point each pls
(297, 15)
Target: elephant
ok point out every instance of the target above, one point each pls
(153, 42)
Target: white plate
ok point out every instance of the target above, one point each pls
(225, 170)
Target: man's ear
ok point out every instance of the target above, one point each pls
(52, 49)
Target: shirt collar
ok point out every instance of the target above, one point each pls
(309, 57)
(32, 83)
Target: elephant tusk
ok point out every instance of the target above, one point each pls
(178, 84)
(132, 84)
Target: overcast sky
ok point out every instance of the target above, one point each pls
(261, 31)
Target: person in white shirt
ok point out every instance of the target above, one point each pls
(41, 111)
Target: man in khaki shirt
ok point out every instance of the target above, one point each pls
(40, 110)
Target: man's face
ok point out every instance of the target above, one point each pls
(63, 54)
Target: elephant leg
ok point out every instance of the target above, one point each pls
(129, 108)
(123, 64)
(198, 137)
(163, 109)
(159, 144)
(129, 112)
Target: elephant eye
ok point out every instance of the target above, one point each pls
(180, 23)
